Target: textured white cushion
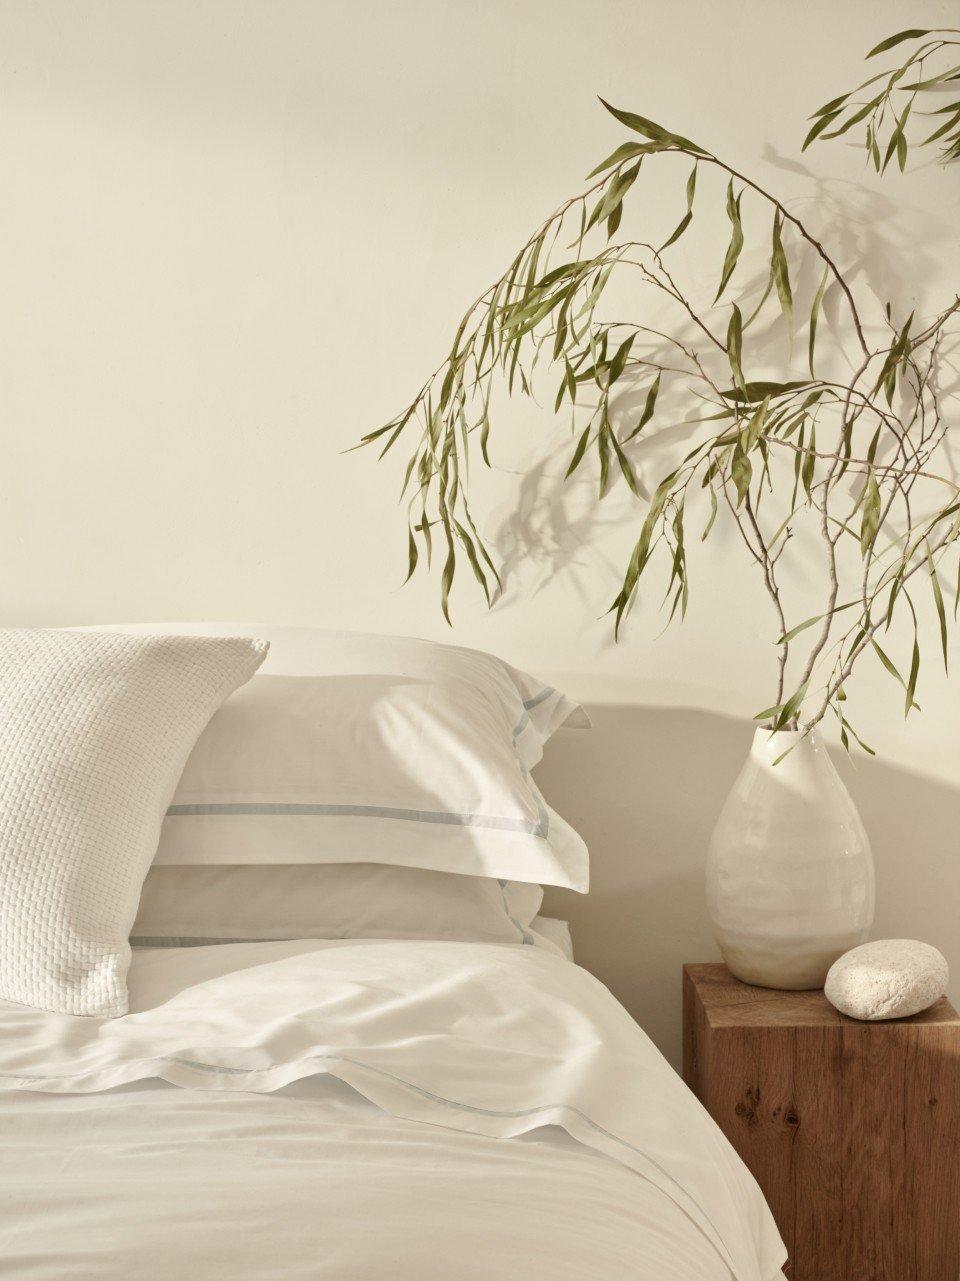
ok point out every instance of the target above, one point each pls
(189, 905)
(353, 748)
(94, 732)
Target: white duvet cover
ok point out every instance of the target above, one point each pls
(362, 1111)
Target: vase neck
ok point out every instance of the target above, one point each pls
(777, 747)
(789, 757)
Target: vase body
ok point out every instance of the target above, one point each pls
(789, 870)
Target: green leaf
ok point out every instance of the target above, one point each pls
(808, 468)
(783, 712)
(649, 129)
(624, 462)
(767, 712)
(687, 218)
(754, 428)
(412, 556)
(781, 273)
(855, 118)
(373, 435)
(407, 473)
(736, 239)
(845, 725)
(735, 345)
(912, 33)
(870, 523)
(449, 568)
(790, 707)
(519, 320)
(571, 382)
(468, 546)
(578, 453)
(941, 111)
(933, 82)
(898, 141)
(485, 439)
(787, 637)
(888, 662)
(603, 449)
(872, 447)
(641, 552)
(564, 271)
(941, 612)
(887, 378)
(714, 507)
(395, 426)
(909, 703)
(831, 105)
(424, 529)
(648, 408)
(945, 127)
(612, 198)
(891, 668)
(741, 470)
(814, 314)
(619, 361)
(824, 122)
(626, 151)
(888, 154)
(750, 393)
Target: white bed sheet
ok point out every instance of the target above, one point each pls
(266, 1157)
(313, 1183)
(552, 932)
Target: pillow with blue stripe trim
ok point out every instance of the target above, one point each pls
(194, 906)
(353, 748)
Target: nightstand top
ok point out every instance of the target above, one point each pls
(727, 1002)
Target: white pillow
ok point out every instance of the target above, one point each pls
(191, 905)
(352, 748)
(94, 733)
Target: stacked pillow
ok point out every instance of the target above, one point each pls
(357, 786)
(353, 748)
(224, 903)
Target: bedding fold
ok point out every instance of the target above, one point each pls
(491, 1040)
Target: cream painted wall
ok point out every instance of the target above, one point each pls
(235, 235)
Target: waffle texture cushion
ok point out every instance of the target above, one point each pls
(95, 728)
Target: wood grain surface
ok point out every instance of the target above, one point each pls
(851, 1129)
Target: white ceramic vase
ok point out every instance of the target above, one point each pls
(789, 871)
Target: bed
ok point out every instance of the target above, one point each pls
(362, 1110)
(422, 1106)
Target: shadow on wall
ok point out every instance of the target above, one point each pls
(644, 788)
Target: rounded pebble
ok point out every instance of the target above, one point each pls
(888, 979)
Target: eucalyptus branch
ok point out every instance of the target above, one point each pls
(836, 117)
(810, 239)
(852, 456)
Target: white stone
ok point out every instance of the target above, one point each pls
(889, 979)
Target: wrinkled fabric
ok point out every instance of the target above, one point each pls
(493, 1042)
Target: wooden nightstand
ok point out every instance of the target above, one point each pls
(851, 1129)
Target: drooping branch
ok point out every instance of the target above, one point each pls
(933, 65)
(845, 454)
